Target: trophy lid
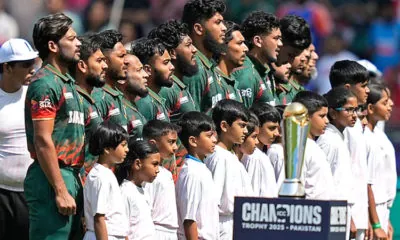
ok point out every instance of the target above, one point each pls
(296, 111)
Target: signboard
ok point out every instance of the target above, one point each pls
(286, 218)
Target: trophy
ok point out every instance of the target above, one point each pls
(295, 126)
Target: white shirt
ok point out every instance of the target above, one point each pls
(162, 198)
(373, 155)
(355, 141)
(276, 155)
(230, 178)
(197, 199)
(14, 155)
(262, 174)
(102, 195)
(316, 175)
(338, 157)
(390, 176)
(138, 211)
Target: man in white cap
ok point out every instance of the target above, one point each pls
(17, 59)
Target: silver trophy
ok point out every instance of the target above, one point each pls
(295, 126)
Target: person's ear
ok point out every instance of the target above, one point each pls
(257, 41)
(370, 109)
(224, 126)
(332, 113)
(53, 47)
(137, 164)
(147, 68)
(153, 141)
(106, 151)
(172, 53)
(8, 68)
(198, 29)
(82, 67)
(192, 141)
(347, 86)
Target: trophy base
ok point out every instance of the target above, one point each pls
(292, 188)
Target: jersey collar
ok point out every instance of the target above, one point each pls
(193, 158)
(178, 82)
(156, 97)
(65, 78)
(114, 92)
(262, 69)
(84, 94)
(207, 62)
(295, 84)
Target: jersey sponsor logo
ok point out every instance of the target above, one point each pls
(210, 80)
(161, 116)
(45, 103)
(114, 112)
(246, 92)
(183, 100)
(263, 87)
(232, 96)
(216, 99)
(136, 123)
(94, 115)
(68, 95)
(76, 117)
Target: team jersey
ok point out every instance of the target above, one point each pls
(229, 84)
(204, 86)
(153, 107)
(109, 103)
(296, 86)
(92, 120)
(135, 120)
(178, 99)
(285, 93)
(254, 82)
(52, 96)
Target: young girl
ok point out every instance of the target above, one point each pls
(378, 109)
(141, 165)
(257, 163)
(104, 210)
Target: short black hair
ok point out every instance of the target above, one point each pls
(154, 129)
(108, 39)
(258, 23)
(265, 113)
(347, 72)
(193, 124)
(197, 11)
(230, 28)
(228, 110)
(170, 33)
(90, 44)
(138, 149)
(338, 96)
(107, 135)
(49, 28)
(146, 48)
(311, 100)
(295, 32)
(375, 93)
(252, 123)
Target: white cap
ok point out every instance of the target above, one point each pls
(370, 67)
(17, 49)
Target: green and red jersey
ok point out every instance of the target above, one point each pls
(153, 107)
(92, 120)
(229, 84)
(178, 99)
(254, 82)
(52, 96)
(204, 86)
(136, 120)
(109, 103)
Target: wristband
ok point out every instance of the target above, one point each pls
(376, 226)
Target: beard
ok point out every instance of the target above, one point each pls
(186, 68)
(95, 81)
(213, 46)
(161, 81)
(70, 61)
(115, 75)
(135, 89)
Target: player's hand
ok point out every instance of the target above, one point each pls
(369, 234)
(65, 203)
(390, 231)
(379, 234)
(353, 230)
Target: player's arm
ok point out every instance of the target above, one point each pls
(373, 216)
(100, 228)
(190, 228)
(47, 157)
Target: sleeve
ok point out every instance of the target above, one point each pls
(99, 196)
(331, 151)
(43, 99)
(217, 168)
(189, 197)
(170, 96)
(371, 163)
(197, 85)
(275, 154)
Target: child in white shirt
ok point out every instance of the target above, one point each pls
(104, 209)
(196, 196)
(141, 165)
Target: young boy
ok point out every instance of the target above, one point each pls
(230, 118)
(342, 113)
(162, 190)
(257, 163)
(316, 176)
(354, 77)
(196, 196)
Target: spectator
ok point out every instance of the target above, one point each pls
(16, 65)
(57, 6)
(9, 27)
